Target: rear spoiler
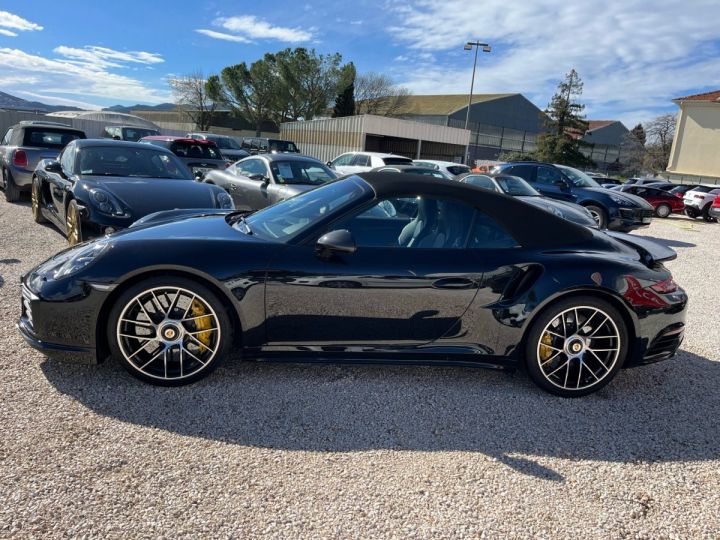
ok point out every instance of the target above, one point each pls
(650, 250)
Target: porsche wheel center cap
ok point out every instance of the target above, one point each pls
(170, 332)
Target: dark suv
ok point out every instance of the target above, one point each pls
(262, 145)
(611, 209)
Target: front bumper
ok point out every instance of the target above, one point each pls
(62, 321)
(628, 219)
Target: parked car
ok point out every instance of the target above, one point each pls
(641, 181)
(698, 203)
(612, 210)
(129, 133)
(664, 202)
(715, 209)
(259, 181)
(682, 189)
(356, 162)
(415, 169)
(666, 186)
(229, 147)
(449, 167)
(465, 276)
(264, 145)
(517, 187)
(98, 186)
(26, 144)
(199, 155)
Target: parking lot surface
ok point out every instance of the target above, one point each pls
(312, 451)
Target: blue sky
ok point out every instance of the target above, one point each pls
(634, 56)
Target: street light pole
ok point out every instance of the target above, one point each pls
(468, 46)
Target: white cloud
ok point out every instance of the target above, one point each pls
(54, 100)
(632, 56)
(102, 57)
(8, 33)
(246, 28)
(222, 35)
(66, 79)
(10, 20)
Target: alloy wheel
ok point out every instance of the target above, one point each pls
(663, 211)
(72, 225)
(35, 200)
(168, 333)
(578, 348)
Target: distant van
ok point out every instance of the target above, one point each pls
(128, 133)
(263, 145)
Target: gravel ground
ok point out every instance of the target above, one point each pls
(293, 451)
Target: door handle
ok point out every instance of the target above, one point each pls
(453, 283)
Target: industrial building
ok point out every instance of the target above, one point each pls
(327, 138)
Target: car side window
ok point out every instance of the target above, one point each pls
(480, 180)
(523, 171)
(487, 233)
(361, 160)
(251, 167)
(344, 159)
(7, 137)
(548, 175)
(67, 159)
(411, 222)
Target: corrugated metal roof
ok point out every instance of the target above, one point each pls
(443, 104)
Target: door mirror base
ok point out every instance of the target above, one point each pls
(338, 241)
(53, 167)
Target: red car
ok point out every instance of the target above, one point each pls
(664, 202)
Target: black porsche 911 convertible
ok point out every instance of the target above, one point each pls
(101, 186)
(377, 267)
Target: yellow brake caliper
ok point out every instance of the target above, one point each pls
(202, 323)
(545, 350)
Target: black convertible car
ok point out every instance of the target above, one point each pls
(369, 268)
(98, 186)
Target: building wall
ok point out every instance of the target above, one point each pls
(696, 147)
(325, 139)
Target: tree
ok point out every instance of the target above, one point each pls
(292, 84)
(639, 133)
(660, 132)
(376, 93)
(345, 100)
(192, 99)
(566, 125)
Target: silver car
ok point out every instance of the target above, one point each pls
(26, 144)
(259, 181)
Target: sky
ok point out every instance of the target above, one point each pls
(633, 56)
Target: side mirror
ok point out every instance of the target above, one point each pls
(53, 167)
(330, 164)
(339, 241)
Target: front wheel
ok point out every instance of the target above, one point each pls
(598, 215)
(663, 211)
(73, 224)
(576, 346)
(169, 331)
(36, 200)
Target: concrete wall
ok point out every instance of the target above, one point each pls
(696, 147)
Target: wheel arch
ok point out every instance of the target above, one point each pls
(101, 343)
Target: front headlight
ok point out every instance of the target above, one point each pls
(104, 202)
(73, 260)
(225, 201)
(621, 201)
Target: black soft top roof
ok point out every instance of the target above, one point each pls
(531, 226)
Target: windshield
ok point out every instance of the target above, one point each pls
(516, 186)
(301, 172)
(227, 143)
(135, 134)
(291, 216)
(397, 161)
(281, 146)
(578, 178)
(185, 149)
(130, 162)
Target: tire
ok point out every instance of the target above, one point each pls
(73, 224)
(706, 214)
(663, 211)
(12, 192)
(35, 199)
(599, 215)
(556, 366)
(691, 212)
(175, 353)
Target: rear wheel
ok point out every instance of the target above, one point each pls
(691, 212)
(598, 215)
(35, 199)
(576, 346)
(663, 211)
(169, 331)
(12, 192)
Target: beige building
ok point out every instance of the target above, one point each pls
(695, 154)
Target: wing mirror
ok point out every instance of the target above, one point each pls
(260, 177)
(339, 241)
(53, 167)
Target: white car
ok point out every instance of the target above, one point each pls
(356, 162)
(698, 202)
(450, 167)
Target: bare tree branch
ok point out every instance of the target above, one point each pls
(192, 100)
(375, 93)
